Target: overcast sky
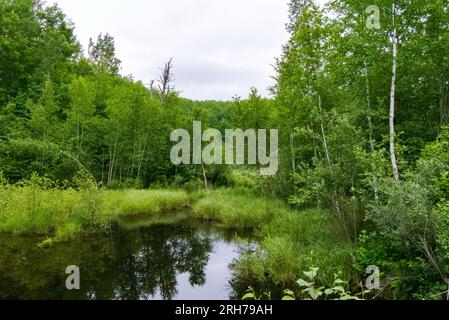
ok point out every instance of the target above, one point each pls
(219, 47)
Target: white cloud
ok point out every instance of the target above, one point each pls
(219, 47)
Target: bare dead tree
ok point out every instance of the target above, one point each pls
(165, 80)
(151, 85)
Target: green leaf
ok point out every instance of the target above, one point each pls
(314, 293)
(289, 292)
(311, 274)
(249, 296)
(339, 288)
(339, 281)
(303, 283)
(348, 297)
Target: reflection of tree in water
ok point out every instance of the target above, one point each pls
(148, 260)
(135, 264)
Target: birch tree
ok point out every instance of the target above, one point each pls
(394, 40)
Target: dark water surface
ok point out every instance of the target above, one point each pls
(174, 258)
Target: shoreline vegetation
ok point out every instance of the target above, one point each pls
(288, 240)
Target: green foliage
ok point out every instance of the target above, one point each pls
(102, 53)
(251, 295)
(310, 292)
(408, 238)
(289, 243)
(247, 179)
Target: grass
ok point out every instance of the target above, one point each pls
(139, 202)
(237, 209)
(290, 241)
(65, 213)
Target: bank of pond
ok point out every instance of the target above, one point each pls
(161, 244)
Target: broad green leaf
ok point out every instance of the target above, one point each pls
(328, 292)
(311, 274)
(249, 296)
(303, 283)
(339, 288)
(314, 293)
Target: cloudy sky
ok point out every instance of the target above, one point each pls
(219, 47)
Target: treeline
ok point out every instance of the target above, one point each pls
(63, 114)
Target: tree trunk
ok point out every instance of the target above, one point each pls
(142, 157)
(394, 164)
(292, 152)
(336, 202)
(326, 149)
(443, 95)
(370, 130)
(113, 156)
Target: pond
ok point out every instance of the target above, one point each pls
(170, 258)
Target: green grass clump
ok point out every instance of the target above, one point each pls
(136, 222)
(236, 210)
(134, 202)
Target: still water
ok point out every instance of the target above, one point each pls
(174, 258)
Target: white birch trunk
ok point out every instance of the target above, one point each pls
(394, 164)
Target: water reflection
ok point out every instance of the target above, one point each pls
(178, 259)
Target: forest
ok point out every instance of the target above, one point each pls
(363, 180)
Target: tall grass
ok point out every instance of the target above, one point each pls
(236, 209)
(33, 208)
(135, 202)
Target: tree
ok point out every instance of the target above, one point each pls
(394, 39)
(81, 113)
(102, 53)
(44, 114)
(37, 42)
(165, 87)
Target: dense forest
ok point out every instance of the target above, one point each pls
(362, 114)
